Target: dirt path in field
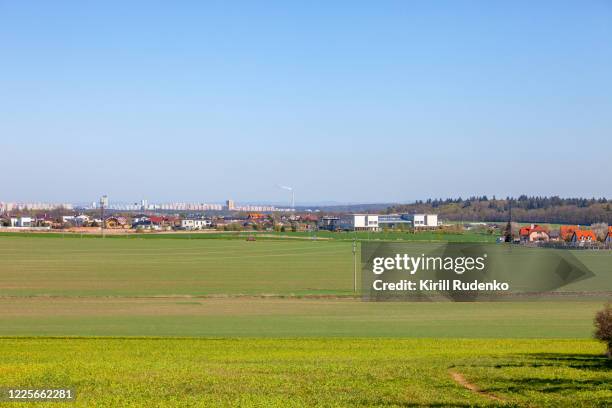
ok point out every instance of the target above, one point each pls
(460, 379)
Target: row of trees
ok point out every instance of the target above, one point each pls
(554, 210)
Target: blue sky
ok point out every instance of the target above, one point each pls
(344, 101)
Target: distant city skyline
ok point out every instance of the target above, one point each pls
(218, 205)
(345, 102)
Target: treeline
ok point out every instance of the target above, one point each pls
(555, 210)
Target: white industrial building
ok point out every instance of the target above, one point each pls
(374, 222)
(359, 222)
(424, 220)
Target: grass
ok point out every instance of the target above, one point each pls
(141, 267)
(311, 372)
(311, 344)
(273, 317)
(118, 287)
(36, 266)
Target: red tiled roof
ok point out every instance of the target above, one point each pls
(584, 235)
(525, 231)
(566, 231)
(539, 228)
(310, 218)
(156, 219)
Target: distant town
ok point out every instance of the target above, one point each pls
(195, 216)
(107, 217)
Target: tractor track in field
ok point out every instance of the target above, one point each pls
(461, 380)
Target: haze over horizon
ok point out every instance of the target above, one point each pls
(365, 103)
(280, 204)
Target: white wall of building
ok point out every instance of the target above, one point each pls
(418, 220)
(195, 224)
(21, 222)
(359, 222)
(431, 220)
(425, 220)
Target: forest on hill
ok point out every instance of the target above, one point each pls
(555, 210)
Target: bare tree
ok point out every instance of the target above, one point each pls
(600, 229)
(515, 228)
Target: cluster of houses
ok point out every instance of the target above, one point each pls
(567, 233)
(163, 222)
(308, 222)
(85, 221)
(254, 220)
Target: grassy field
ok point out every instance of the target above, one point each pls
(148, 267)
(271, 288)
(255, 317)
(433, 236)
(41, 265)
(312, 372)
(274, 323)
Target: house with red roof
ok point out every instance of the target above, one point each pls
(155, 219)
(584, 236)
(534, 233)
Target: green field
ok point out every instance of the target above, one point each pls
(261, 317)
(276, 323)
(312, 372)
(154, 267)
(52, 266)
(271, 288)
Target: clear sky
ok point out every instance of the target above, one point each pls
(371, 101)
